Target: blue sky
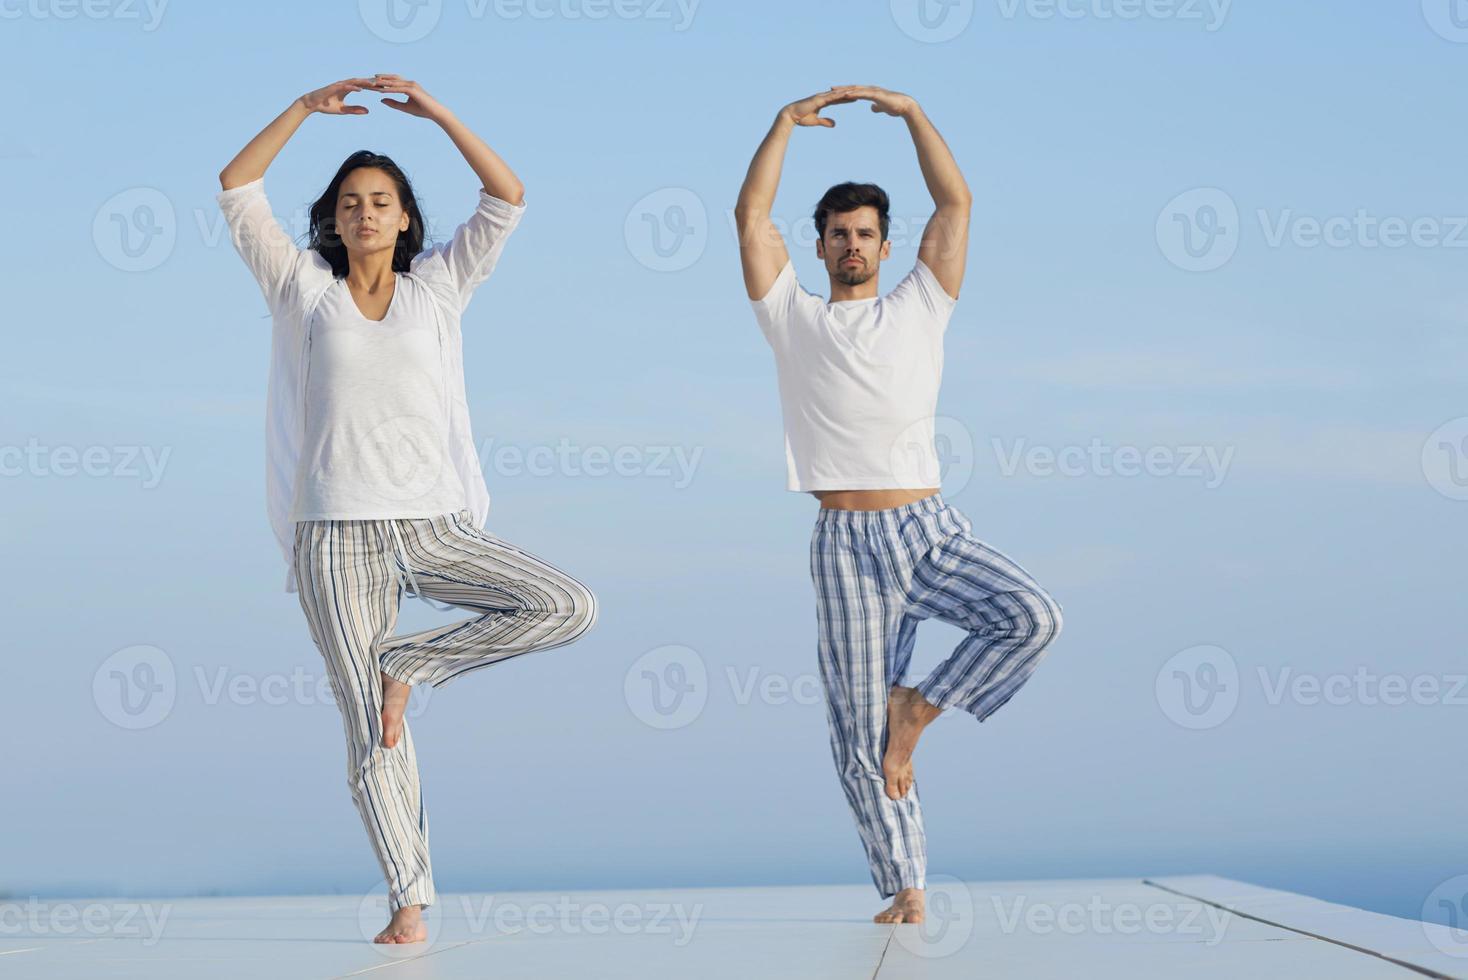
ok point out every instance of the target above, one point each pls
(1204, 382)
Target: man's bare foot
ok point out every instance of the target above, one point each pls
(406, 926)
(908, 713)
(394, 704)
(907, 906)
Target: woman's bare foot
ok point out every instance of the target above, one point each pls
(406, 926)
(394, 704)
(907, 906)
(908, 713)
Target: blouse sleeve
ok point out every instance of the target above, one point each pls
(260, 239)
(470, 255)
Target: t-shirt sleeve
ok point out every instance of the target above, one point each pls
(470, 255)
(774, 309)
(261, 240)
(922, 295)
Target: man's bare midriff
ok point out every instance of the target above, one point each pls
(869, 499)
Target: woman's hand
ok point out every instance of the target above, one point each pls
(331, 99)
(419, 103)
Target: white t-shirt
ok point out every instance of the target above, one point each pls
(376, 442)
(858, 382)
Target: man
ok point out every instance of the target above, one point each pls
(859, 377)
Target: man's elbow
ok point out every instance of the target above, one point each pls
(752, 219)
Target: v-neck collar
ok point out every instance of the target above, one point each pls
(397, 285)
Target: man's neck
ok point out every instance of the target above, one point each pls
(841, 292)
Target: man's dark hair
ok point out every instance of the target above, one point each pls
(848, 197)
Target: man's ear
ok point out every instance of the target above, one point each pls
(886, 250)
(820, 248)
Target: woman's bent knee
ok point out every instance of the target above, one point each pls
(582, 607)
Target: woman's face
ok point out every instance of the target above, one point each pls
(368, 212)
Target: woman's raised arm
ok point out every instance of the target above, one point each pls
(252, 161)
(493, 173)
(475, 247)
(259, 238)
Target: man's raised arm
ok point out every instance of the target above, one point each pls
(945, 239)
(762, 250)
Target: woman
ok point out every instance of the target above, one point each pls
(373, 479)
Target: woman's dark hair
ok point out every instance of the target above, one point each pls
(324, 236)
(848, 197)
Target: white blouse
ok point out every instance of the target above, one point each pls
(376, 434)
(297, 282)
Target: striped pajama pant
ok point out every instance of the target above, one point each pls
(877, 574)
(350, 576)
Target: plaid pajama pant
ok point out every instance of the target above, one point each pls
(350, 576)
(877, 574)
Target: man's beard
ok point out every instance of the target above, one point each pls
(852, 276)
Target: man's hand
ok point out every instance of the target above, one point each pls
(882, 100)
(806, 112)
(331, 99)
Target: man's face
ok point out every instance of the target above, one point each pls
(852, 245)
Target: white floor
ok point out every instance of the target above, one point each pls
(1192, 926)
